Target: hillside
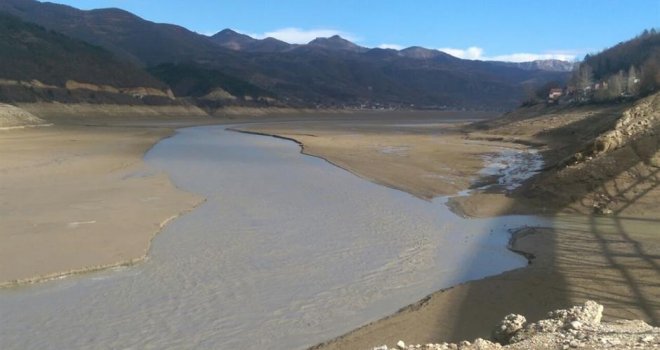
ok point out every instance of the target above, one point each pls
(119, 31)
(208, 87)
(639, 51)
(38, 64)
(627, 70)
(328, 72)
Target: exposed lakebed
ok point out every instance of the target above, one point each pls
(286, 252)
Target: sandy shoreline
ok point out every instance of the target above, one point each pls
(427, 161)
(610, 259)
(580, 258)
(79, 199)
(77, 195)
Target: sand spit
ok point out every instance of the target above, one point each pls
(12, 117)
(77, 199)
(426, 161)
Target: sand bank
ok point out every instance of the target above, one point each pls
(427, 159)
(12, 117)
(79, 198)
(613, 260)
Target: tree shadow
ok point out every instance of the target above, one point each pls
(612, 259)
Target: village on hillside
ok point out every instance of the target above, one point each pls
(584, 88)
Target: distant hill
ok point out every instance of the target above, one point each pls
(240, 42)
(336, 43)
(417, 52)
(546, 65)
(37, 62)
(327, 72)
(119, 31)
(196, 81)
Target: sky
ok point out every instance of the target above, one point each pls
(507, 30)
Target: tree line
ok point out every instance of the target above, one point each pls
(628, 69)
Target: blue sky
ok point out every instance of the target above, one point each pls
(512, 30)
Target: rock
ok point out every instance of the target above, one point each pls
(508, 327)
(481, 344)
(577, 327)
(647, 339)
(576, 324)
(602, 208)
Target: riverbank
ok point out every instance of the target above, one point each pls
(263, 261)
(426, 158)
(569, 261)
(78, 198)
(562, 272)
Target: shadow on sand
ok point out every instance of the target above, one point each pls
(612, 259)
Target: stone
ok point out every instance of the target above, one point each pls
(647, 339)
(576, 324)
(401, 345)
(508, 327)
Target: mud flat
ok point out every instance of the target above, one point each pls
(76, 199)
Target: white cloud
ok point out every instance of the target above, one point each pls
(390, 46)
(477, 53)
(294, 35)
(471, 53)
(526, 57)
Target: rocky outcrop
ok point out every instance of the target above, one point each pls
(508, 327)
(577, 327)
(641, 120)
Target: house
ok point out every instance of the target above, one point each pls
(601, 85)
(555, 94)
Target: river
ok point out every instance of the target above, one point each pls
(287, 251)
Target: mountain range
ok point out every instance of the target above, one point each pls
(232, 68)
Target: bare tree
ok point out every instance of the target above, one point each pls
(650, 75)
(616, 85)
(585, 78)
(632, 84)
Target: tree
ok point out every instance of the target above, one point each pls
(632, 84)
(585, 77)
(650, 75)
(616, 84)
